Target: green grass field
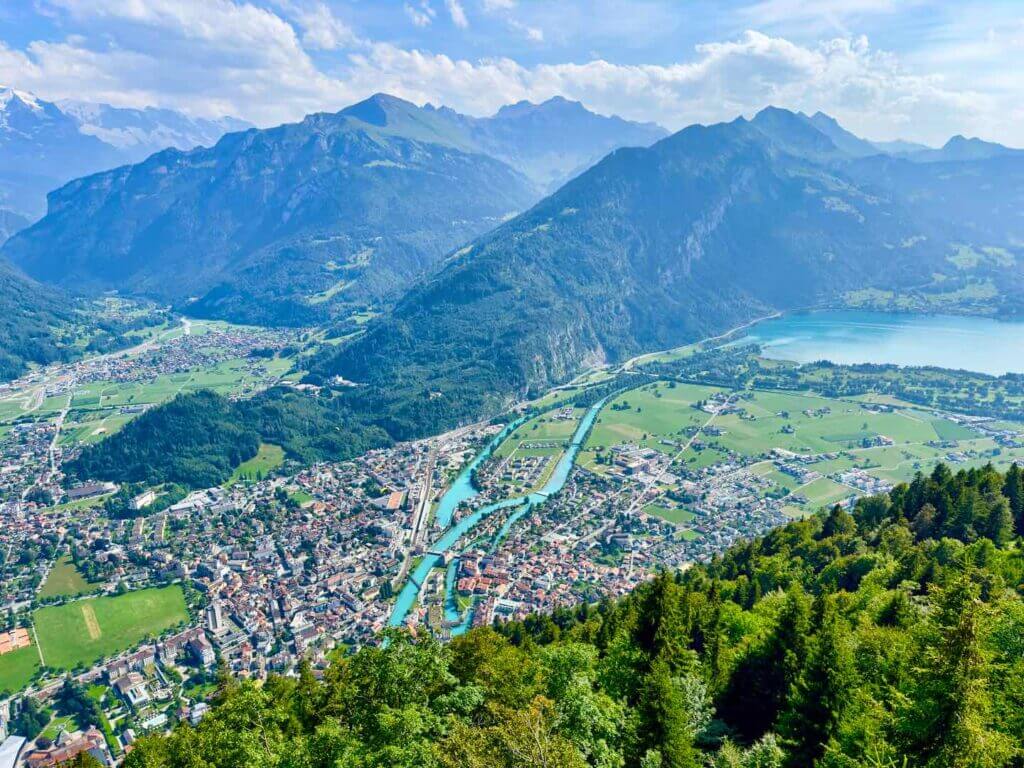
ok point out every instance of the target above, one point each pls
(81, 632)
(673, 515)
(269, 457)
(64, 579)
(649, 415)
(17, 668)
(544, 428)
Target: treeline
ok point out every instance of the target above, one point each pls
(846, 640)
(197, 440)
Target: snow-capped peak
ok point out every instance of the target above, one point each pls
(26, 98)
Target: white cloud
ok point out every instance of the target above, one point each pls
(213, 57)
(458, 13)
(321, 29)
(490, 6)
(532, 33)
(421, 15)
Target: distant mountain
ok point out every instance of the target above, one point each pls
(138, 133)
(300, 223)
(287, 225)
(548, 142)
(960, 149)
(899, 147)
(41, 148)
(649, 249)
(974, 189)
(44, 145)
(846, 142)
(553, 141)
(10, 222)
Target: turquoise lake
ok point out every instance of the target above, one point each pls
(946, 341)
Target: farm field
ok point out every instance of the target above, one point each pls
(657, 412)
(83, 631)
(807, 424)
(545, 428)
(64, 580)
(268, 457)
(97, 408)
(845, 433)
(17, 668)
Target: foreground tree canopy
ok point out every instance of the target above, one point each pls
(891, 636)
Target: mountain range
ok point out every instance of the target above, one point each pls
(655, 247)
(43, 144)
(412, 211)
(308, 221)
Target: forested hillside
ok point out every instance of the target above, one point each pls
(29, 313)
(198, 439)
(649, 249)
(288, 225)
(889, 637)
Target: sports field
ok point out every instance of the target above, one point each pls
(83, 631)
(17, 668)
(671, 514)
(64, 579)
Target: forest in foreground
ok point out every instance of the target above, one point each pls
(890, 636)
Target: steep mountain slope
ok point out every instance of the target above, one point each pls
(29, 315)
(286, 225)
(41, 148)
(301, 223)
(549, 143)
(980, 199)
(44, 145)
(650, 248)
(974, 188)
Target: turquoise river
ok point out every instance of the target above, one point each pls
(462, 490)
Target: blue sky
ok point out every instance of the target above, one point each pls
(885, 68)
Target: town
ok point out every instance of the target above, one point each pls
(565, 505)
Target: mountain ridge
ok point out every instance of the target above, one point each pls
(45, 144)
(649, 249)
(347, 209)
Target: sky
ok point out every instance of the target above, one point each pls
(886, 69)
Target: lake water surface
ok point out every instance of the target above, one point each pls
(946, 341)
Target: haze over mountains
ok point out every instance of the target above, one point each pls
(299, 223)
(378, 206)
(655, 247)
(43, 145)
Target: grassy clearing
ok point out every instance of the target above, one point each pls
(65, 580)
(268, 458)
(81, 632)
(823, 492)
(672, 514)
(17, 668)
